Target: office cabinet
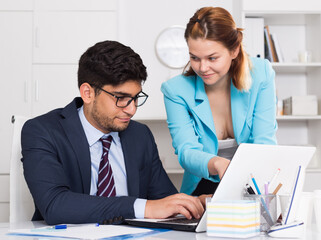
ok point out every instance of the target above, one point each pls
(60, 37)
(61, 33)
(41, 43)
(15, 75)
(4, 198)
(55, 85)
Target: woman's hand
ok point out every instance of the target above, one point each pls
(203, 197)
(217, 166)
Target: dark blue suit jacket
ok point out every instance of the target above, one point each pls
(57, 168)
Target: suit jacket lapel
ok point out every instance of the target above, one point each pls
(239, 106)
(203, 109)
(74, 131)
(131, 164)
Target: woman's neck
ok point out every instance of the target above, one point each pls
(222, 85)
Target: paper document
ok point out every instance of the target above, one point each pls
(83, 231)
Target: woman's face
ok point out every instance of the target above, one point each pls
(210, 60)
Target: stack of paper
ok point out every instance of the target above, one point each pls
(237, 219)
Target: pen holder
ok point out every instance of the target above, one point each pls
(268, 209)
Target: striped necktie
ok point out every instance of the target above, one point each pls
(106, 184)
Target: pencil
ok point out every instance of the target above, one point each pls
(273, 179)
(277, 189)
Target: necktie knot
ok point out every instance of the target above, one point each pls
(106, 142)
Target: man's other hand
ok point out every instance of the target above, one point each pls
(190, 207)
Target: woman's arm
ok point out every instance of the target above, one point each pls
(185, 136)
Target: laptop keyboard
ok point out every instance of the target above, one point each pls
(180, 220)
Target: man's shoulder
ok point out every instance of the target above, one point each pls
(53, 116)
(45, 119)
(135, 126)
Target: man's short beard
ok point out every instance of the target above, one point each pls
(106, 123)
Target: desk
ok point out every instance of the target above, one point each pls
(171, 235)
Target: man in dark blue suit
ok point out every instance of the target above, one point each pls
(62, 149)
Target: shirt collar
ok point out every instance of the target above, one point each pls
(93, 134)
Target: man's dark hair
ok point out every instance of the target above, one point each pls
(110, 63)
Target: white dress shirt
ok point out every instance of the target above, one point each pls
(116, 159)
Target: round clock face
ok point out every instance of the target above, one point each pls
(171, 47)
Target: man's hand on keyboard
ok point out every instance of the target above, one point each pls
(190, 207)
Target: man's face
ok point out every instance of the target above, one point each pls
(103, 113)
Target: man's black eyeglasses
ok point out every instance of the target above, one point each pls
(124, 101)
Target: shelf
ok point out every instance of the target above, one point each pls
(295, 67)
(297, 118)
(313, 170)
(277, 17)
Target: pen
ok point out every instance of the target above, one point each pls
(255, 185)
(273, 179)
(266, 192)
(249, 189)
(64, 226)
(266, 188)
(277, 189)
(60, 226)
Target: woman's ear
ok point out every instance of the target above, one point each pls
(87, 93)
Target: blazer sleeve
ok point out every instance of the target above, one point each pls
(185, 136)
(264, 124)
(52, 192)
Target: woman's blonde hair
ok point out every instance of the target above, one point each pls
(217, 24)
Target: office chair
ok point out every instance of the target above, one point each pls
(21, 202)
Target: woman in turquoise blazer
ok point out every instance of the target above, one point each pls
(223, 95)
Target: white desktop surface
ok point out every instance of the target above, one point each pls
(171, 235)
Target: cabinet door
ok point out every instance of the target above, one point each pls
(74, 5)
(54, 87)
(62, 36)
(16, 5)
(15, 75)
(4, 186)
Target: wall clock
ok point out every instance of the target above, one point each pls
(171, 47)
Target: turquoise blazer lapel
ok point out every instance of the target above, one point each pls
(202, 108)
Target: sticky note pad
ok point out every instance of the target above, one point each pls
(236, 219)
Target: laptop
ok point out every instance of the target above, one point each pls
(260, 160)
